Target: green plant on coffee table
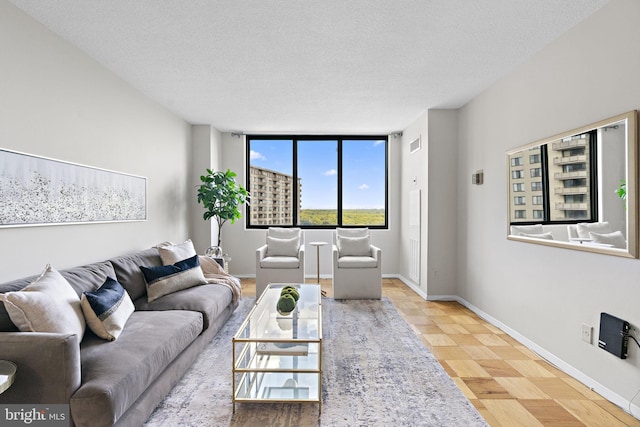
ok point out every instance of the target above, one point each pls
(291, 291)
(289, 296)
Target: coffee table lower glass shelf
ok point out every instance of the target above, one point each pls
(278, 358)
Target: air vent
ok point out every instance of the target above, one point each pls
(415, 145)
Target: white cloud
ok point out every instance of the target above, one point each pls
(363, 187)
(330, 172)
(254, 155)
(378, 142)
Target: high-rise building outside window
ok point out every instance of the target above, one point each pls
(559, 179)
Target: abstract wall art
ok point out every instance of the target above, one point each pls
(36, 190)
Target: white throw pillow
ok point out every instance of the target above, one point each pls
(170, 254)
(48, 304)
(546, 236)
(282, 247)
(354, 246)
(283, 233)
(352, 232)
(584, 228)
(616, 239)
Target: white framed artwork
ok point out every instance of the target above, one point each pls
(36, 190)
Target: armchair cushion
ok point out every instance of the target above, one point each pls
(545, 236)
(518, 230)
(280, 262)
(282, 247)
(584, 228)
(357, 262)
(354, 246)
(616, 239)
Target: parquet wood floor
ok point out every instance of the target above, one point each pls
(509, 384)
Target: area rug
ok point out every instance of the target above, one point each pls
(376, 372)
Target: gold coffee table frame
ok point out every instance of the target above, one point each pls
(278, 357)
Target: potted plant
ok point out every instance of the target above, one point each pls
(221, 196)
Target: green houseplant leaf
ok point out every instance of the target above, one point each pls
(621, 191)
(221, 197)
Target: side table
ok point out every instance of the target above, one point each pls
(317, 245)
(7, 374)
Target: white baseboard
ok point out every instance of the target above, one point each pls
(565, 367)
(411, 284)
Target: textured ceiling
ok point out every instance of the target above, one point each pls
(323, 66)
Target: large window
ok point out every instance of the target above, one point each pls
(317, 181)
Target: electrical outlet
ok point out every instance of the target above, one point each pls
(587, 333)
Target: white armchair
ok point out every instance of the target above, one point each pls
(357, 265)
(281, 259)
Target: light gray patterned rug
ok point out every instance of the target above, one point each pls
(376, 372)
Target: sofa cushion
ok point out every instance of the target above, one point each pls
(280, 262)
(357, 262)
(107, 309)
(166, 279)
(210, 300)
(49, 304)
(127, 268)
(116, 373)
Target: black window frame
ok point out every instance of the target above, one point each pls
(593, 182)
(295, 213)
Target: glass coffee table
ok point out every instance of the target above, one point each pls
(278, 357)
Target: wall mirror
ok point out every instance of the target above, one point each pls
(578, 189)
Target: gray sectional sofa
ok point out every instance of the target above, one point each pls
(116, 382)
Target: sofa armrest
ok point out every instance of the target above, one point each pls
(48, 366)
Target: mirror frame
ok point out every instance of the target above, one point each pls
(631, 119)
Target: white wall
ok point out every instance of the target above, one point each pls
(240, 243)
(414, 176)
(206, 154)
(432, 170)
(58, 103)
(442, 202)
(544, 293)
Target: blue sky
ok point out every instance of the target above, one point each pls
(363, 174)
